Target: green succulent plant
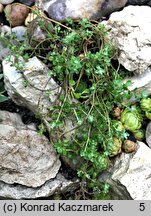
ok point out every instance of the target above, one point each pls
(145, 104)
(131, 119)
(115, 147)
(139, 134)
(148, 115)
(118, 125)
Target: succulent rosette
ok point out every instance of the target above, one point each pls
(145, 104)
(115, 147)
(131, 119)
(129, 146)
(148, 115)
(139, 134)
(118, 125)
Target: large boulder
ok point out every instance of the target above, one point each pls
(131, 173)
(26, 157)
(130, 34)
(77, 9)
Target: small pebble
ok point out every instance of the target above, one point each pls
(5, 2)
(1, 8)
(27, 2)
(30, 18)
(16, 14)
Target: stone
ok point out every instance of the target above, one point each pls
(139, 2)
(26, 157)
(4, 50)
(130, 34)
(140, 82)
(1, 8)
(16, 14)
(20, 32)
(30, 18)
(132, 172)
(58, 184)
(37, 33)
(77, 9)
(27, 2)
(38, 81)
(5, 2)
(148, 134)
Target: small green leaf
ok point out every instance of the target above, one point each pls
(3, 98)
(1, 76)
(72, 82)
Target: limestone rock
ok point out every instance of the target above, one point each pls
(148, 134)
(26, 157)
(16, 14)
(58, 184)
(132, 172)
(32, 96)
(130, 34)
(77, 9)
(140, 82)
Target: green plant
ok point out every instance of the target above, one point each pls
(79, 58)
(2, 96)
(131, 119)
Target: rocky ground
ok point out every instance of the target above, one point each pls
(29, 166)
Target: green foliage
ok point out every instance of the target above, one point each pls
(2, 96)
(79, 59)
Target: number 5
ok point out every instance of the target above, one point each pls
(142, 206)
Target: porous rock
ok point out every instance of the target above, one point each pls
(26, 157)
(130, 34)
(131, 173)
(32, 96)
(57, 185)
(140, 82)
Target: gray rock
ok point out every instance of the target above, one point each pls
(132, 172)
(91, 9)
(130, 34)
(21, 33)
(4, 50)
(140, 82)
(5, 2)
(32, 96)
(56, 185)
(36, 33)
(27, 2)
(26, 157)
(139, 2)
(148, 134)
(5, 32)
